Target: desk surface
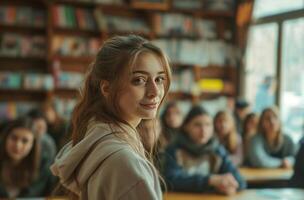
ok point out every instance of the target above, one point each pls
(250, 194)
(262, 175)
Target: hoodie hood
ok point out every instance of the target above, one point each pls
(74, 165)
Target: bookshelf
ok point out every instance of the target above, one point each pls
(73, 30)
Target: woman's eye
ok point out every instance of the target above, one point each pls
(160, 79)
(138, 81)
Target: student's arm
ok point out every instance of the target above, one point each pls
(228, 167)
(258, 157)
(290, 149)
(178, 179)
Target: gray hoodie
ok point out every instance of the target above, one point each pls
(102, 166)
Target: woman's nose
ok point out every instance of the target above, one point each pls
(152, 89)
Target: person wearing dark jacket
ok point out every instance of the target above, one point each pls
(196, 162)
(297, 179)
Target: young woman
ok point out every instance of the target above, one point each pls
(250, 127)
(171, 120)
(106, 159)
(271, 148)
(225, 131)
(196, 162)
(23, 172)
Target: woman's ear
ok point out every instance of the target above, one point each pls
(104, 88)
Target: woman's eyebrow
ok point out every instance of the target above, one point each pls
(146, 73)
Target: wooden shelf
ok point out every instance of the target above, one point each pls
(73, 59)
(33, 3)
(22, 29)
(76, 3)
(22, 95)
(179, 95)
(77, 32)
(66, 92)
(8, 63)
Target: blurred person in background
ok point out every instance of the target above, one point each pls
(196, 162)
(23, 171)
(270, 148)
(171, 120)
(48, 146)
(250, 127)
(225, 131)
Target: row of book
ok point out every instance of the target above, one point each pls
(199, 52)
(111, 23)
(22, 15)
(182, 81)
(14, 45)
(75, 46)
(36, 81)
(11, 110)
(71, 17)
(64, 107)
(184, 25)
(206, 5)
(30, 81)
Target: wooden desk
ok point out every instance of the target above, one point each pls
(262, 174)
(250, 194)
(267, 177)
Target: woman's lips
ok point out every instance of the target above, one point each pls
(149, 106)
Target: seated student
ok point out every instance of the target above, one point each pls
(225, 130)
(270, 148)
(23, 173)
(241, 109)
(48, 146)
(297, 179)
(196, 162)
(171, 120)
(249, 130)
(56, 125)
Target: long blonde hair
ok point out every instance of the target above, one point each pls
(279, 137)
(230, 141)
(114, 60)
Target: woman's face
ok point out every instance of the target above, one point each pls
(143, 90)
(251, 125)
(200, 129)
(223, 126)
(270, 122)
(173, 117)
(19, 143)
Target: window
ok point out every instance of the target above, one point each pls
(278, 30)
(292, 80)
(261, 66)
(263, 8)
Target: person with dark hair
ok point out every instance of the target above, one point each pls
(171, 120)
(270, 148)
(48, 146)
(297, 179)
(196, 162)
(241, 109)
(106, 158)
(23, 172)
